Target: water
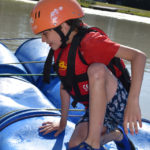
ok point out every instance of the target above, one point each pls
(126, 29)
(14, 21)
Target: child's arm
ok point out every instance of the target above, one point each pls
(132, 111)
(65, 103)
(48, 127)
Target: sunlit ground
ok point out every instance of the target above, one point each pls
(27, 1)
(117, 15)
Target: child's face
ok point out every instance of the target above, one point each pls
(52, 38)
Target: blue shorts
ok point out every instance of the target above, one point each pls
(114, 110)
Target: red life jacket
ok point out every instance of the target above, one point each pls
(72, 69)
(73, 72)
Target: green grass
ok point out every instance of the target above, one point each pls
(138, 12)
(85, 3)
(120, 8)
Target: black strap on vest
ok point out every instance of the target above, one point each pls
(125, 76)
(72, 55)
(47, 66)
(71, 59)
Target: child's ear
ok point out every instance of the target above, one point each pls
(65, 28)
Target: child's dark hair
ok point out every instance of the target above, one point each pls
(76, 23)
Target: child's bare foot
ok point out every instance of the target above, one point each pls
(115, 135)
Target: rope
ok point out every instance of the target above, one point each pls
(58, 109)
(7, 39)
(24, 62)
(49, 109)
(7, 74)
(15, 116)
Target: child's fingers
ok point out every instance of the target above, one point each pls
(136, 123)
(45, 123)
(131, 125)
(44, 126)
(136, 127)
(140, 123)
(48, 130)
(44, 129)
(125, 126)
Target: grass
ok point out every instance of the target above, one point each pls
(120, 8)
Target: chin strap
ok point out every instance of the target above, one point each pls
(64, 38)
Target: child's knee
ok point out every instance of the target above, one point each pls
(97, 71)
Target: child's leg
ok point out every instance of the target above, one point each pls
(79, 134)
(102, 87)
(81, 131)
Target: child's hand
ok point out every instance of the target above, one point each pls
(48, 127)
(132, 117)
(61, 128)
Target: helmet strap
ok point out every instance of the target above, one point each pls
(64, 38)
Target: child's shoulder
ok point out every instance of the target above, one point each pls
(93, 38)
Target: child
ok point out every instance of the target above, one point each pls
(107, 102)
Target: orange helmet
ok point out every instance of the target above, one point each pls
(48, 14)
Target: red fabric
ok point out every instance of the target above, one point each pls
(122, 63)
(96, 47)
(118, 72)
(83, 86)
(80, 68)
(63, 60)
